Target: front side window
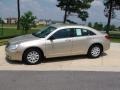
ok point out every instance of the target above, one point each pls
(64, 33)
(45, 32)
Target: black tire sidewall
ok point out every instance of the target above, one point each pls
(89, 51)
(25, 57)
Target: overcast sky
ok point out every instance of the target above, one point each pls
(46, 9)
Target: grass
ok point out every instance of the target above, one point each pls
(3, 42)
(7, 32)
(115, 36)
(12, 31)
(115, 40)
(115, 32)
(9, 25)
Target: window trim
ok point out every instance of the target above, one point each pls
(71, 36)
(89, 32)
(82, 32)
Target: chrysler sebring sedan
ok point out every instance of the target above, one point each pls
(57, 41)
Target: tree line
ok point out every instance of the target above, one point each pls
(73, 8)
(102, 27)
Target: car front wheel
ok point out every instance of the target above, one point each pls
(32, 56)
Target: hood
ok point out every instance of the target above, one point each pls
(23, 38)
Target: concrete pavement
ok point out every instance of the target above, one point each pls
(109, 61)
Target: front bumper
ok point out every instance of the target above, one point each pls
(13, 54)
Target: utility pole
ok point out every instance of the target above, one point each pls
(18, 7)
(109, 17)
(66, 11)
(65, 16)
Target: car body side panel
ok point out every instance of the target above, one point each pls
(58, 47)
(80, 45)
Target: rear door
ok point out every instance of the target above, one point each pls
(81, 41)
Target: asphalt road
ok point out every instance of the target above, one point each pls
(59, 80)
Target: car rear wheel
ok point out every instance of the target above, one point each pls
(32, 57)
(95, 51)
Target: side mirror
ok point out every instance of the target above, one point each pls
(52, 38)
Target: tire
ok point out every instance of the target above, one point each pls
(32, 56)
(95, 51)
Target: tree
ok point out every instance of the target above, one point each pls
(0, 19)
(27, 21)
(119, 28)
(98, 26)
(112, 27)
(105, 27)
(75, 7)
(1, 22)
(110, 6)
(90, 24)
(18, 8)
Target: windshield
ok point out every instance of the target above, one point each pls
(45, 32)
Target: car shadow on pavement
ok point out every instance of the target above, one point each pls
(66, 58)
(69, 58)
(58, 59)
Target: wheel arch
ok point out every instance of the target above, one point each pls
(37, 48)
(96, 44)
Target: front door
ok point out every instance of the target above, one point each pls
(61, 45)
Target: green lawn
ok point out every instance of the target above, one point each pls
(9, 25)
(7, 32)
(12, 31)
(115, 40)
(115, 32)
(115, 36)
(3, 41)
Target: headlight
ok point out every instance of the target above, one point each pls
(13, 47)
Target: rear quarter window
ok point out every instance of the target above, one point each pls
(87, 32)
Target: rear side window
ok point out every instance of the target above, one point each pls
(82, 32)
(78, 32)
(87, 32)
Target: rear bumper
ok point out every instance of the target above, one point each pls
(106, 45)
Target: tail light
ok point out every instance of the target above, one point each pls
(107, 37)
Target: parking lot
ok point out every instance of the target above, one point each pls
(109, 61)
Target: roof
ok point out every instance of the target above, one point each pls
(73, 26)
(68, 25)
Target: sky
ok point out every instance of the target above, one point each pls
(46, 9)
